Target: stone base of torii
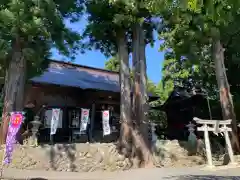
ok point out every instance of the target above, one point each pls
(215, 126)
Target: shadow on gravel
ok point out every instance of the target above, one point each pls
(56, 152)
(203, 177)
(28, 179)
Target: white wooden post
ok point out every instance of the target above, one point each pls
(208, 146)
(205, 129)
(225, 129)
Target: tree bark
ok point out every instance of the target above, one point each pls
(143, 82)
(14, 86)
(4, 125)
(224, 90)
(140, 106)
(125, 107)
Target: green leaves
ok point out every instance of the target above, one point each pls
(113, 64)
(188, 28)
(39, 26)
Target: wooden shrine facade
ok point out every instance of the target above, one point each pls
(70, 101)
(72, 87)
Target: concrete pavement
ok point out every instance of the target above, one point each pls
(192, 173)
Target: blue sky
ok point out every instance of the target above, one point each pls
(97, 59)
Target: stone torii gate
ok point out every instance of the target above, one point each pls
(215, 126)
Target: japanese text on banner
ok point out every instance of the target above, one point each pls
(55, 120)
(84, 120)
(105, 123)
(16, 120)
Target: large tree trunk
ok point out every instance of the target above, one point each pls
(125, 107)
(143, 81)
(140, 106)
(224, 90)
(14, 87)
(4, 126)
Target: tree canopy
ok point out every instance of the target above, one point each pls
(39, 26)
(188, 30)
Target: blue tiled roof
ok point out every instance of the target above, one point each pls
(65, 74)
(72, 75)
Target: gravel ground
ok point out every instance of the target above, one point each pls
(192, 173)
(84, 157)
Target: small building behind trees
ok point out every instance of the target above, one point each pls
(180, 108)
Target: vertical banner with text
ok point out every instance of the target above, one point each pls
(15, 122)
(84, 120)
(105, 123)
(55, 120)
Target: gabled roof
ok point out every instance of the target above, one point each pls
(72, 75)
(84, 77)
(181, 94)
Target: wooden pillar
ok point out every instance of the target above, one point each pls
(208, 147)
(228, 143)
(92, 119)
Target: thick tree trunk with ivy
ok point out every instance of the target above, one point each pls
(125, 107)
(140, 101)
(224, 90)
(14, 86)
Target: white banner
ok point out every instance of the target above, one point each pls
(55, 120)
(105, 123)
(84, 120)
